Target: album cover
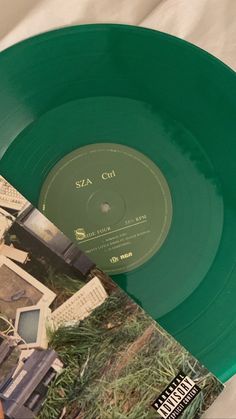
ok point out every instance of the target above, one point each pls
(73, 344)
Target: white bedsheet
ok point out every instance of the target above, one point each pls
(210, 24)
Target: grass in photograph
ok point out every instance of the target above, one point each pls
(116, 363)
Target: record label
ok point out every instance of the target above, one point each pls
(113, 200)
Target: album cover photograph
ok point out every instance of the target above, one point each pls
(73, 344)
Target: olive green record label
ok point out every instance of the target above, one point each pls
(113, 201)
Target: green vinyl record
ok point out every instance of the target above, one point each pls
(125, 138)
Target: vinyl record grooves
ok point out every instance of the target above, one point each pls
(125, 138)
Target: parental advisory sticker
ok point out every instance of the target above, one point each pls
(176, 397)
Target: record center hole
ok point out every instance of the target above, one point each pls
(105, 207)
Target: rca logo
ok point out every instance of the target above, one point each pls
(116, 259)
(126, 255)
